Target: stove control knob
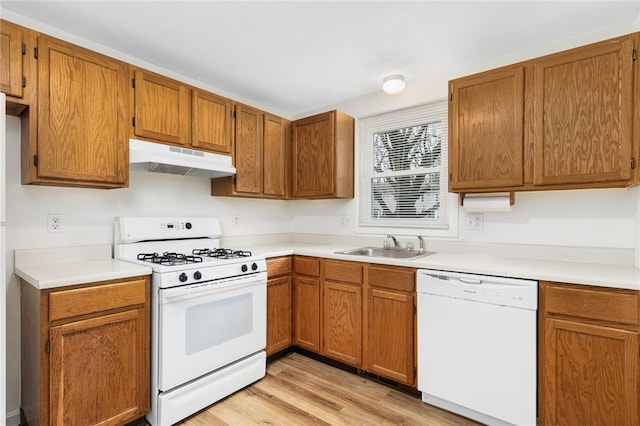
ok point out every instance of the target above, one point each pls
(188, 225)
(244, 268)
(183, 277)
(197, 275)
(254, 266)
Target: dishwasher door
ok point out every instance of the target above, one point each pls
(476, 351)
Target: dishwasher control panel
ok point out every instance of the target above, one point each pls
(513, 292)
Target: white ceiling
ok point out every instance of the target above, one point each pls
(300, 56)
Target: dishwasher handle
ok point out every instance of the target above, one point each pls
(473, 281)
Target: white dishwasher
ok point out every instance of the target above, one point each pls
(477, 341)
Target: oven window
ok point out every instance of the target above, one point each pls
(210, 324)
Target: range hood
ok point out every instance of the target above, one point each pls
(154, 157)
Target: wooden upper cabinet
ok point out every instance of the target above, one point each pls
(636, 116)
(161, 108)
(562, 121)
(211, 122)
(248, 149)
(486, 130)
(274, 156)
(82, 110)
(261, 156)
(12, 52)
(322, 164)
(583, 114)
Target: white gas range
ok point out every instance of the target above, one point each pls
(208, 312)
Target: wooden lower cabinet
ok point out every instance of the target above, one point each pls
(306, 306)
(342, 311)
(589, 356)
(85, 353)
(279, 304)
(357, 313)
(390, 343)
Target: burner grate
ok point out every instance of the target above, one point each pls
(169, 258)
(222, 253)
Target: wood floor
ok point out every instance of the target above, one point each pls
(298, 390)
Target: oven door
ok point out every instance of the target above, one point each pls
(205, 326)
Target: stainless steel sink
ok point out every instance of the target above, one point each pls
(382, 252)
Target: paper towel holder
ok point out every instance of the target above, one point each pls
(512, 196)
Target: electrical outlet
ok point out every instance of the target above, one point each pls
(475, 221)
(236, 220)
(345, 221)
(54, 223)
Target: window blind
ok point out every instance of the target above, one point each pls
(403, 168)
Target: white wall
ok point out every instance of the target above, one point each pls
(421, 92)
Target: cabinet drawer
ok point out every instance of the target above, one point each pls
(87, 300)
(306, 266)
(396, 278)
(279, 266)
(617, 306)
(343, 271)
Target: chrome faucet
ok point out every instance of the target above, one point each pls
(396, 244)
(421, 240)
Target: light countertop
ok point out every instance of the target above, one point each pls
(604, 275)
(79, 265)
(73, 265)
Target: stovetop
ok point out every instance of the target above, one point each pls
(182, 251)
(197, 256)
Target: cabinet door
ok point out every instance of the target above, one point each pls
(279, 296)
(314, 156)
(583, 115)
(99, 370)
(211, 122)
(307, 313)
(248, 150)
(486, 130)
(391, 335)
(342, 316)
(590, 375)
(274, 156)
(161, 108)
(11, 59)
(81, 115)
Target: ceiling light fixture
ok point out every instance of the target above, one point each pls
(393, 84)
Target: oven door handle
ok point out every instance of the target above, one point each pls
(172, 295)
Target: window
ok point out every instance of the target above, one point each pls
(403, 168)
